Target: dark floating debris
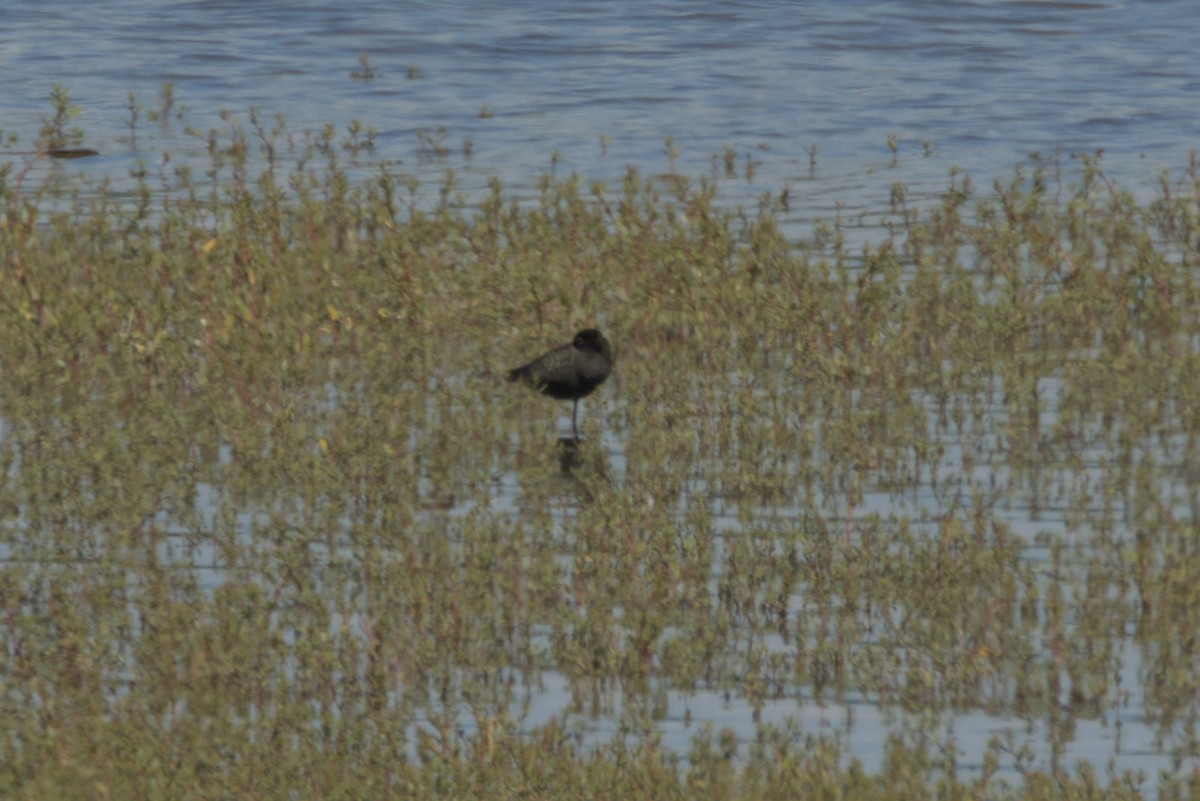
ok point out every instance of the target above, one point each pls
(71, 153)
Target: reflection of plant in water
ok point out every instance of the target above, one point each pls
(433, 142)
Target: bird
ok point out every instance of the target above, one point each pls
(569, 372)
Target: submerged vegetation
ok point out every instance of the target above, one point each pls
(273, 526)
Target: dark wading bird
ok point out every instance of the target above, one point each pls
(571, 371)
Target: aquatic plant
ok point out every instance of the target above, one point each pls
(272, 525)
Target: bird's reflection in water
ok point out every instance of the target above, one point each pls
(582, 466)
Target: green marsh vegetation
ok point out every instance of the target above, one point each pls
(274, 527)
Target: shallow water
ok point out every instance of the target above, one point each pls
(600, 86)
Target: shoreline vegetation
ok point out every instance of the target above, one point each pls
(273, 526)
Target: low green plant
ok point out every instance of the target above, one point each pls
(273, 527)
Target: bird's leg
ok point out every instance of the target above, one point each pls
(574, 415)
